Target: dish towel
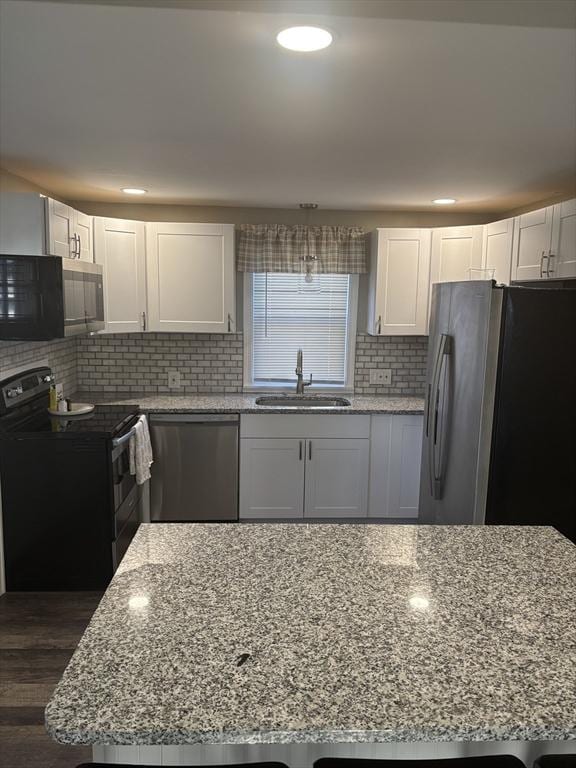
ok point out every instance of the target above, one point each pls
(140, 450)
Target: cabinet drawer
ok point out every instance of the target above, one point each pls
(124, 512)
(303, 425)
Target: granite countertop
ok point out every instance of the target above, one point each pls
(246, 403)
(282, 633)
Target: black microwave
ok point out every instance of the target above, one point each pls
(49, 297)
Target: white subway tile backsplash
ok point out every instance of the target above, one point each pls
(60, 355)
(139, 363)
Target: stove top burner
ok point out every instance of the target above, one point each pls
(24, 411)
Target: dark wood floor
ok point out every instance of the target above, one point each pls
(38, 633)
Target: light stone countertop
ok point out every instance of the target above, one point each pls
(246, 403)
(350, 633)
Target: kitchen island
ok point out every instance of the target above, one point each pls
(228, 641)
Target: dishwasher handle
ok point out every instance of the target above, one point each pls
(193, 418)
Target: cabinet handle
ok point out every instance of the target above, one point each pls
(379, 324)
(309, 450)
(300, 452)
(229, 323)
(74, 240)
(143, 321)
(79, 246)
(544, 272)
(551, 256)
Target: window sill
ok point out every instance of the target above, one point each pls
(291, 389)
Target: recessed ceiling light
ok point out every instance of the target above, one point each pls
(444, 201)
(304, 39)
(134, 191)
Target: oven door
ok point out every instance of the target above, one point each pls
(123, 482)
(30, 298)
(83, 297)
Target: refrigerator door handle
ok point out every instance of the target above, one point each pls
(436, 439)
(432, 388)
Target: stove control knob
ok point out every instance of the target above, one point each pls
(46, 379)
(14, 392)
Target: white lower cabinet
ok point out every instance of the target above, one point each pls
(329, 466)
(336, 478)
(271, 478)
(311, 466)
(395, 456)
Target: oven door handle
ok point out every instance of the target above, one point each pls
(118, 441)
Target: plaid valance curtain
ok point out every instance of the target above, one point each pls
(283, 248)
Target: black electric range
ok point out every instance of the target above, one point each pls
(70, 505)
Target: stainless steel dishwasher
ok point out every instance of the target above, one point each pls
(195, 469)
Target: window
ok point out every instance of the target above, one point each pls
(284, 313)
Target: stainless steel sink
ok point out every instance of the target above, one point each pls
(302, 401)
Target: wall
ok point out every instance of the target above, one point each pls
(60, 356)
(404, 355)
(138, 363)
(135, 364)
(236, 215)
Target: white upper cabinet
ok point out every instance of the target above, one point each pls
(120, 247)
(60, 230)
(84, 234)
(545, 243)
(399, 282)
(22, 223)
(190, 270)
(68, 232)
(497, 249)
(562, 262)
(532, 244)
(456, 252)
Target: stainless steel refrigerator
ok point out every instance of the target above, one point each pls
(499, 444)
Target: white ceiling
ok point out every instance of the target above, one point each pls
(202, 107)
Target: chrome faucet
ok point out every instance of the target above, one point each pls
(300, 383)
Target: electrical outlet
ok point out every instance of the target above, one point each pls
(174, 380)
(381, 376)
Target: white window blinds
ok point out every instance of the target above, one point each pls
(289, 313)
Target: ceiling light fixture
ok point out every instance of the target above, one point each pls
(444, 201)
(304, 39)
(134, 191)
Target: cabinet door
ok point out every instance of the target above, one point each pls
(336, 477)
(83, 233)
(455, 252)
(405, 459)
(60, 229)
(399, 282)
(271, 478)
(395, 458)
(532, 242)
(497, 249)
(119, 246)
(563, 256)
(191, 277)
